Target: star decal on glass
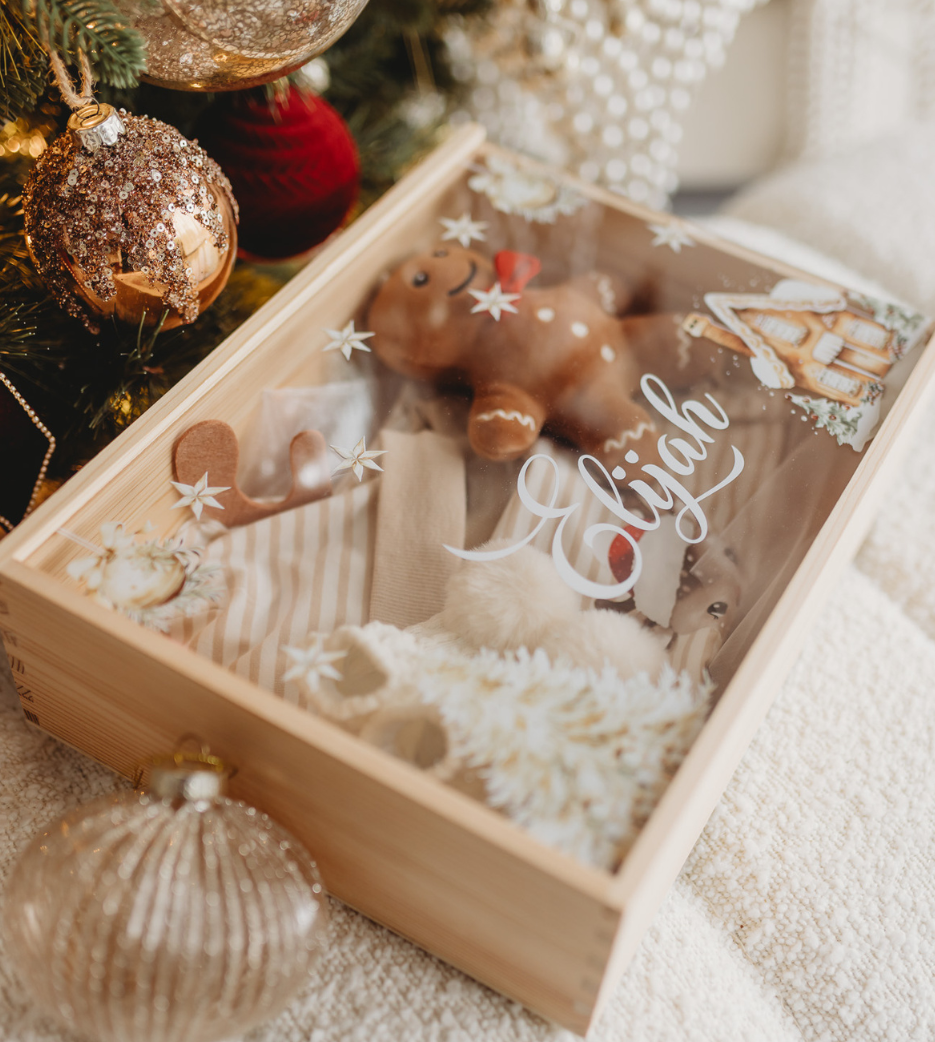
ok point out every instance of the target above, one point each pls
(347, 340)
(199, 495)
(671, 235)
(493, 300)
(357, 458)
(464, 229)
(313, 664)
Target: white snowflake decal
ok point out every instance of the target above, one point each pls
(671, 235)
(311, 665)
(493, 300)
(464, 229)
(199, 495)
(357, 458)
(347, 340)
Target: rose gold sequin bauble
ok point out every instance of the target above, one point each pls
(225, 45)
(125, 216)
(173, 916)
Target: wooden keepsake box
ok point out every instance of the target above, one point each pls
(819, 385)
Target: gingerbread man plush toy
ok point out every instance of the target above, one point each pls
(550, 357)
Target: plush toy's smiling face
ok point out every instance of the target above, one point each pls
(421, 315)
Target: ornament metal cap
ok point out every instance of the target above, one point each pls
(189, 776)
(95, 125)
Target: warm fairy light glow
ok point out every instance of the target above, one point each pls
(16, 138)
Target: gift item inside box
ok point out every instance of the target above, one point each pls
(567, 459)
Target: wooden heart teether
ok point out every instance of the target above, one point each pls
(211, 447)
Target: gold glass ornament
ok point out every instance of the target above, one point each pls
(222, 45)
(124, 216)
(176, 915)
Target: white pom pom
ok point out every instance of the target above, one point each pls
(598, 638)
(508, 603)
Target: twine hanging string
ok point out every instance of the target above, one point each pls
(63, 81)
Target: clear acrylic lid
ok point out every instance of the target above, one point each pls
(572, 452)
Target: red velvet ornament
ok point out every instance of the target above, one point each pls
(293, 166)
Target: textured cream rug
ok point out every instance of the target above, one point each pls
(807, 908)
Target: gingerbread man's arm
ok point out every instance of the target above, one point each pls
(504, 421)
(665, 349)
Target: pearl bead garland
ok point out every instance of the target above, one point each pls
(597, 86)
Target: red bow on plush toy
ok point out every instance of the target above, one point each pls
(514, 270)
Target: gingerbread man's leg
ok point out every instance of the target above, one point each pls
(504, 422)
(629, 442)
(604, 421)
(663, 348)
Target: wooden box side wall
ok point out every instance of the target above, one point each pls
(424, 860)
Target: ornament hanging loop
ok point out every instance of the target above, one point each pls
(91, 123)
(63, 81)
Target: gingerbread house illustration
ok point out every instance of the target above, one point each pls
(823, 345)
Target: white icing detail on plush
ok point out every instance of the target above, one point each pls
(608, 297)
(580, 330)
(618, 443)
(608, 353)
(545, 314)
(520, 417)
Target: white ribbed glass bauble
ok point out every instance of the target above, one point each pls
(170, 916)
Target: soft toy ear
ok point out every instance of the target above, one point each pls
(211, 447)
(514, 270)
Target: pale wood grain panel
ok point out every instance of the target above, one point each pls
(411, 853)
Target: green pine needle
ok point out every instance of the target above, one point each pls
(117, 52)
(23, 64)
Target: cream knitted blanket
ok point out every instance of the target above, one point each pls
(807, 908)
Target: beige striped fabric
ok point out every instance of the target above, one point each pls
(287, 576)
(318, 567)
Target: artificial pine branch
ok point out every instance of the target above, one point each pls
(374, 75)
(117, 52)
(88, 387)
(23, 63)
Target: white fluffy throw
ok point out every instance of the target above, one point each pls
(807, 908)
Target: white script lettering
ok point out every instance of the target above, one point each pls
(678, 454)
